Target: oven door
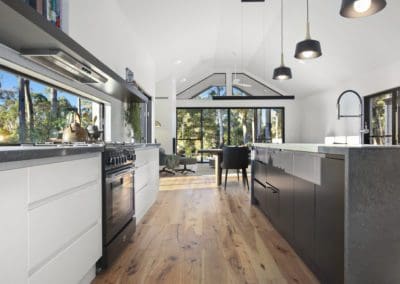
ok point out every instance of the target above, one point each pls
(119, 201)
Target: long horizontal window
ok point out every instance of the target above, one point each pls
(211, 128)
(34, 112)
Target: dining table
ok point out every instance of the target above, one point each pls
(217, 153)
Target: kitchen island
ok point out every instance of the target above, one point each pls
(337, 205)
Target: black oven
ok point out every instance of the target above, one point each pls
(119, 222)
(120, 200)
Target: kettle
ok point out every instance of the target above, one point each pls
(93, 130)
(74, 132)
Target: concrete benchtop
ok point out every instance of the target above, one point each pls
(21, 153)
(337, 149)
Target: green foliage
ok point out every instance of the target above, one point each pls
(9, 117)
(208, 128)
(132, 118)
(49, 116)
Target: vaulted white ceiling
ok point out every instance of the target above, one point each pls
(218, 35)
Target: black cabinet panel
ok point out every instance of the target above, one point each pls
(286, 205)
(260, 171)
(304, 220)
(273, 204)
(330, 222)
(309, 216)
(260, 195)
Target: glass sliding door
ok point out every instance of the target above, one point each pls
(189, 132)
(380, 118)
(241, 126)
(269, 125)
(277, 133)
(215, 129)
(210, 128)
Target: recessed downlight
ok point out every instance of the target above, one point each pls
(178, 61)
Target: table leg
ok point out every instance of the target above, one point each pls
(218, 170)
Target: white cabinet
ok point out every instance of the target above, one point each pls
(14, 226)
(51, 216)
(146, 180)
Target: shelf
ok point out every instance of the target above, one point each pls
(21, 27)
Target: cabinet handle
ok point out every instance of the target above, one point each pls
(273, 189)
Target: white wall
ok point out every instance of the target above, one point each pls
(165, 113)
(102, 28)
(318, 112)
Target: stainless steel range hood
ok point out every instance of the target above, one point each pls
(63, 63)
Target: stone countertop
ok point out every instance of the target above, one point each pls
(336, 149)
(21, 153)
(139, 147)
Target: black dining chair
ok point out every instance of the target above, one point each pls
(236, 158)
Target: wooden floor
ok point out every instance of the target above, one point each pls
(197, 233)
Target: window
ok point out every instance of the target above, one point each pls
(238, 92)
(34, 112)
(381, 113)
(211, 92)
(189, 131)
(213, 127)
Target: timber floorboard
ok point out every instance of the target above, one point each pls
(198, 233)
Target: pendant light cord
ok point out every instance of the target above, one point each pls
(308, 35)
(282, 60)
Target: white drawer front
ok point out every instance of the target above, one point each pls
(52, 179)
(71, 265)
(142, 202)
(142, 177)
(145, 156)
(14, 226)
(56, 224)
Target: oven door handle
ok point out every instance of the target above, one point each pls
(119, 174)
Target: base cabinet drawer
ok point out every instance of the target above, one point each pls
(329, 234)
(260, 195)
(260, 171)
(56, 223)
(272, 204)
(71, 264)
(304, 220)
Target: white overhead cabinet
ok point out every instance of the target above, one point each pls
(51, 214)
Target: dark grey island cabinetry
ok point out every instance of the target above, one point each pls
(335, 205)
(297, 193)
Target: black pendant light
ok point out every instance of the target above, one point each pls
(361, 8)
(282, 72)
(308, 48)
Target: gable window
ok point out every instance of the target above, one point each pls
(208, 94)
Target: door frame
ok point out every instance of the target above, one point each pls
(395, 122)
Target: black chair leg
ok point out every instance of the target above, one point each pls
(245, 179)
(237, 174)
(226, 177)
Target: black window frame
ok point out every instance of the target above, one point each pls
(229, 123)
(395, 127)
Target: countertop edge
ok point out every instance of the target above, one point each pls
(38, 153)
